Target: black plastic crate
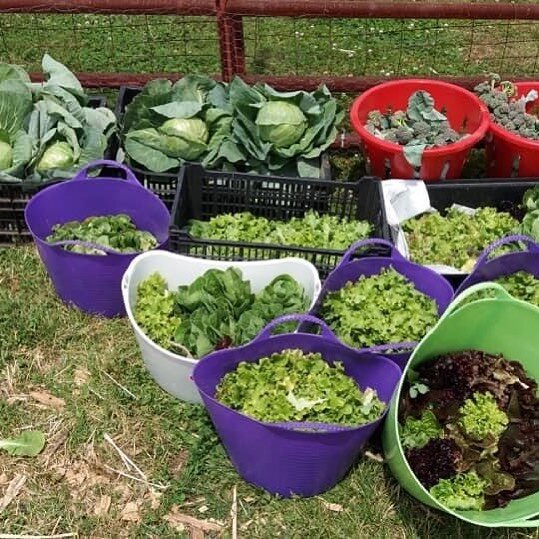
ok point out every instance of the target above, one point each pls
(163, 184)
(204, 194)
(14, 197)
(503, 194)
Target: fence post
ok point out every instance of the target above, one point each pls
(231, 42)
(226, 41)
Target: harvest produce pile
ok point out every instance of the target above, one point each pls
(215, 311)
(297, 386)
(313, 230)
(521, 285)
(507, 109)
(384, 308)
(117, 232)
(229, 126)
(418, 127)
(456, 238)
(469, 429)
(48, 130)
(467, 420)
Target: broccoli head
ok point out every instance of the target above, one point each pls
(421, 129)
(374, 118)
(404, 135)
(390, 135)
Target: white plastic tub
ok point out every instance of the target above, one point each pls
(173, 371)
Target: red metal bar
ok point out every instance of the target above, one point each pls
(351, 85)
(336, 84)
(115, 80)
(120, 7)
(359, 84)
(374, 9)
(227, 50)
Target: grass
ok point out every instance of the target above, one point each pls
(48, 348)
(277, 46)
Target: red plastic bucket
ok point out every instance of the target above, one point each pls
(509, 155)
(386, 159)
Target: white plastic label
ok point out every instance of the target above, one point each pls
(406, 199)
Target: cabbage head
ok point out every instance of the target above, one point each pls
(58, 155)
(281, 123)
(192, 135)
(188, 128)
(6, 155)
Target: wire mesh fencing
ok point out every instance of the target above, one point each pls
(334, 41)
(386, 47)
(112, 43)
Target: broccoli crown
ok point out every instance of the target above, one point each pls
(505, 109)
(530, 121)
(390, 135)
(442, 139)
(404, 135)
(482, 88)
(421, 129)
(374, 118)
(502, 109)
(519, 121)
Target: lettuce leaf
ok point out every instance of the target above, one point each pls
(296, 386)
(28, 444)
(462, 492)
(417, 432)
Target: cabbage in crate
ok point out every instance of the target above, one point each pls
(168, 124)
(282, 133)
(15, 106)
(47, 130)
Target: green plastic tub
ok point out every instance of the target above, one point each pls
(499, 325)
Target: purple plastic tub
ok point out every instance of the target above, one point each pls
(507, 264)
(425, 280)
(277, 456)
(90, 282)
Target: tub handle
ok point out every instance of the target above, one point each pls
(499, 292)
(90, 245)
(326, 332)
(532, 247)
(347, 257)
(82, 174)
